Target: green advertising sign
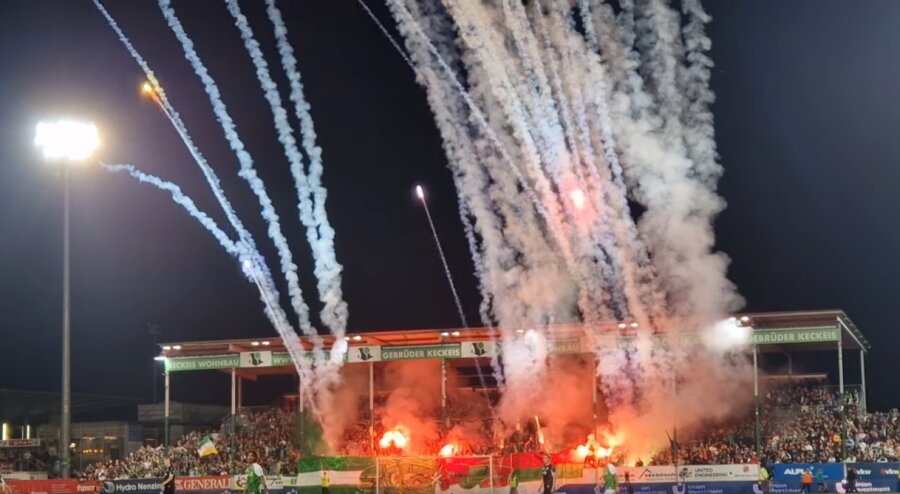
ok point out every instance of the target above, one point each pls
(211, 362)
(795, 336)
(451, 350)
(455, 350)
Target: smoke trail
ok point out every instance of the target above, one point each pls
(605, 112)
(186, 202)
(437, 243)
(181, 129)
(327, 269)
(268, 291)
(248, 173)
(699, 134)
(387, 35)
(468, 228)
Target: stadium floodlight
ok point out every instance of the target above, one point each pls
(67, 140)
(67, 143)
(634, 325)
(160, 358)
(346, 338)
(266, 343)
(166, 348)
(745, 319)
(520, 331)
(445, 334)
(176, 347)
(622, 325)
(357, 337)
(455, 333)
(254, 343)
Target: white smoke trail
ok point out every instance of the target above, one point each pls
(609, 112)
(248, 173)
(699, 135)
(327, 269)
(484, 307)
(437, 243)
(387, 35)
(268, 290)
(210, 175)
(180, 198)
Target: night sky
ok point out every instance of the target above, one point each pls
(807, 123)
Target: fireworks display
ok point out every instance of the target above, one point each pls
(580, 140)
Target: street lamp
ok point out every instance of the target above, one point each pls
(67, 143)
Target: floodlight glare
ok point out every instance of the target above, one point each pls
(67, 140)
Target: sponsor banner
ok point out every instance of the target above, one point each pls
(20, 443)
(212, 362)
(218, 484)
(480, 349)
(219, 362)
(572, 345)
(742, 487)
(130, 485)
(449, 350)
(794, 335)
(364, 354)
(256, 359)
(690, 473)
(871, 486)
(58, 486)
(872, 477)
(876, 471)
(787, 477)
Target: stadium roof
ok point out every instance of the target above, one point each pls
(772, 332)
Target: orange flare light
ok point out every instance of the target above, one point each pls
(449, 450)
(593, 449)
(147, 88)
(397, 437)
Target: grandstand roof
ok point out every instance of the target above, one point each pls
(772, 331)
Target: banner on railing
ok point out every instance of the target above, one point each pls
(873, 477)
(690, 473)
(20, 443)
(57, 486)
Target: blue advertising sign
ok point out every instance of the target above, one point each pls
(787, 478)
(742, 487)
(873, 477)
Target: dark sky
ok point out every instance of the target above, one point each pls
(806, 123)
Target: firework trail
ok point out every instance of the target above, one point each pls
(268, 289)
(180, 198)
(247, 172)
(451, 135)
(285, 137)
(587, 120)
(327, 269)
(437, 242)
(387, 35)
(160, 96)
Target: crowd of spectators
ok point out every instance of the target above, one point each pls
(800, 423)
(268, 432)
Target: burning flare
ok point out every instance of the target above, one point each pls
(449, 450)
(592, 449)
(397, 437)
